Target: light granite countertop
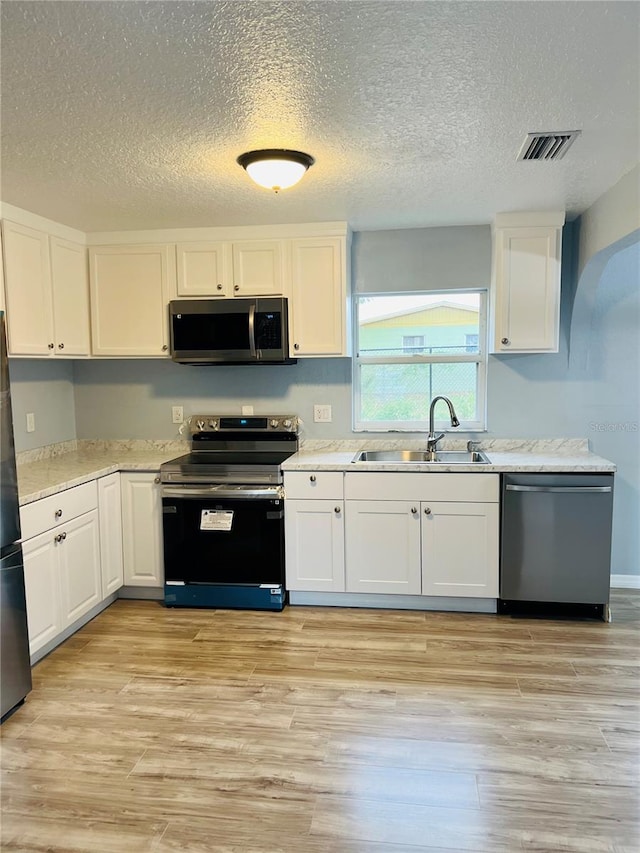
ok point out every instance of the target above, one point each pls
(505, 455)
(53, 469)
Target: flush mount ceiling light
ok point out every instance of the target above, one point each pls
(275, 168)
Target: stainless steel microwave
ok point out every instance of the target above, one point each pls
(230, 331)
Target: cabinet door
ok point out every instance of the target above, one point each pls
(142, 530)
(258, 268)
(110, 510)
(314, 535)
(527, 289)
(382, 547)
(204, 269)
(318, 297)
(460, 549)
(79, 560)
(42, 587)
(28, 291)
(70, 285)
(130, 290)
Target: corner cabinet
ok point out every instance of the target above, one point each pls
(130, 289)
(142, 529)
(525, 294)
(318, 303)
(47, 294)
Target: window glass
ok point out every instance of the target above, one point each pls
(413, 347)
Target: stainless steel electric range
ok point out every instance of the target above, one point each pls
(223, 513)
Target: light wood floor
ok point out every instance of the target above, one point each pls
(328, 731)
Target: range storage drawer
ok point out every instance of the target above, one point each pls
(314, 485)
(48, 512)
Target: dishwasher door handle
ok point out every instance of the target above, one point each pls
(557, 489)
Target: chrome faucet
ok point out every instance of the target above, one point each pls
(432, 438)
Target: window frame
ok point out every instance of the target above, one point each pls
(480, 358)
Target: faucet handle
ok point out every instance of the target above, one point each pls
(473, 445)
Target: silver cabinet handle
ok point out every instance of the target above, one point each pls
(219, 287)
(313, 478)
(58, 513)
(427, 510)
(164, 348)
(60, 537)
(236, 287)
(296, 346)
(414, 510)
(156, 480)
(505, 341)
(60, 346)
(559, 489)
(337, 510)
(50, 346)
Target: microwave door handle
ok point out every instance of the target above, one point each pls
(252, 329)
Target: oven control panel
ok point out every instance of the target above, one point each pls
(235, 423)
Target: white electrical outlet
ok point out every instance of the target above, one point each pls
(177, 414)
(322, 414)
(31, 422)
(247, 410)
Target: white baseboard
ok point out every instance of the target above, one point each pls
(625, 582)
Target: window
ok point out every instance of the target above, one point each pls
(411, 347)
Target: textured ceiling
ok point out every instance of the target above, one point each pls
(127, 115)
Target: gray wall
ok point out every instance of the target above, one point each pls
(44, 387)
(528, 395)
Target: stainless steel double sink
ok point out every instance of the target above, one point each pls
(443, 456)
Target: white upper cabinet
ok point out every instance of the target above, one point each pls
(258, 267)
(131, 287)
(525, 297)
(70, 285)
(28, 290)
(318, 304)
(204, 269)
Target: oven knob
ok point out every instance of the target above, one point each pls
(273, 423)
(286, 424)
(200, 425)
(213, 424)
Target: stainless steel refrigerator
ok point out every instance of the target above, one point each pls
(15, 669)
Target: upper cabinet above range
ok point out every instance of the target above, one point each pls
(47, 293)
(525, 290)
(227, 269)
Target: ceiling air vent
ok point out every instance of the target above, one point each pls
(547, 146)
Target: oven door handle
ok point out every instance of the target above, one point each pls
(237, 492)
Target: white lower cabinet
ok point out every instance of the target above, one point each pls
(435, 534)
(110, 508)
(62, 577)
(142, 529)
(383, 547)
(314, 531)
(460, 549)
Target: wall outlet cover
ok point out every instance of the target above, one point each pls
(322, 413)
(31, 422)
(247, 410)
(177, 415)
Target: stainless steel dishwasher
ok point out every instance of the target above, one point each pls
(555, 556)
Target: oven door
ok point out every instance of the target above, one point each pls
(223, 535)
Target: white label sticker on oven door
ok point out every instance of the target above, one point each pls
(216, 519)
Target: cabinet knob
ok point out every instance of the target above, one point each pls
(164, 348)
(414, 510)
(236, 287)
(218, 287)
(64, 536)
(296, 346)
(156, 480)
(336, 510)
(427, 510)
(505, 341)
(312, 478)
(60, 537)
(58, 513)
(60, 346)
(50, 346)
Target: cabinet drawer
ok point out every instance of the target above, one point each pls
(44, 514)
(422, 487)
(319, 485)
